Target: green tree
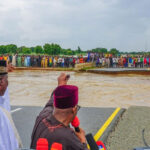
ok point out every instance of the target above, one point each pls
(56, 49)
(79, 50)
(73, 52)
(114, 51)
(64, 51)
(11, 48)
(103, 50)
(26, 50)
(3, 49)
(48, 49)
(99, 50)
(19, 49)
(32, 49)
(69, 52)
(39, 50)
(52, 49)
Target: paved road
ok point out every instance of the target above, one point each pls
(91, 120)
(140, 71)
(121, 69)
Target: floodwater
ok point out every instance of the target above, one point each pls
(33, 88)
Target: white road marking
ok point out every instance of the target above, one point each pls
(16, 110)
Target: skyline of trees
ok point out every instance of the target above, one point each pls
(56, 49)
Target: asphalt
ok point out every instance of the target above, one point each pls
(91, 120)
(128, 133)
(121, 69)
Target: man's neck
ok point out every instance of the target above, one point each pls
(2, 92)
(63, 120)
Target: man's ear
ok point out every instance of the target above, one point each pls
(74, 109)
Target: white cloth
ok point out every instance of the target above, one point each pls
(14, 60)
(100, 60)
(114, 60)
(8, 140)
(63, 60)
(4, 100)
(59, 60)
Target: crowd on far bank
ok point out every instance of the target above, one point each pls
(123, 61)
(99, 60)
(43, 61)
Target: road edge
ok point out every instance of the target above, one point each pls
(112, 125)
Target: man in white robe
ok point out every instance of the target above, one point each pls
(9, 138)
(4, 93)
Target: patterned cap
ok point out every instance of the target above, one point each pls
(3, 68)
(66, 96)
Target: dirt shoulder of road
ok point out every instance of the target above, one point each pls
(128, 133)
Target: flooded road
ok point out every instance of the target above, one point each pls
(33, 88)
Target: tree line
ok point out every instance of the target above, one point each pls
(55, 49)
(49, 49)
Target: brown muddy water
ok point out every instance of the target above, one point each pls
(33, 88)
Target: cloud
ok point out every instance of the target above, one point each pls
(88, 23)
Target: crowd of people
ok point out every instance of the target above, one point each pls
(108, 60)
(123, 61)
(43, 61)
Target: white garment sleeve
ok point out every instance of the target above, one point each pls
(8, 140)
(5, 101)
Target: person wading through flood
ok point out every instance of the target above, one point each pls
(54, 120)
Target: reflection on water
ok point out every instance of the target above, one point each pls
(35, 87)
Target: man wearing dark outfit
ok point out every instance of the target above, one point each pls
(54, 120)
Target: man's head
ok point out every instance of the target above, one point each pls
(3, 77)
(3, 67)
(66, 102)
(3, 84)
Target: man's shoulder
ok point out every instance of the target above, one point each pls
(57, 129)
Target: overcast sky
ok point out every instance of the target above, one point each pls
(121, 24)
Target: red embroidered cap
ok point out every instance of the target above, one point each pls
(66, 96)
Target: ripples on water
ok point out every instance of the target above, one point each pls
(35, 87)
